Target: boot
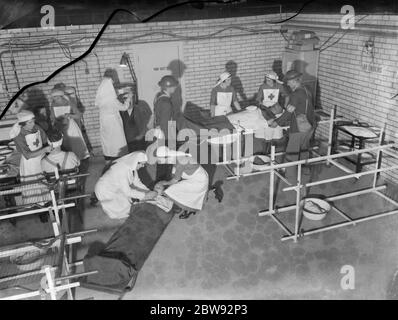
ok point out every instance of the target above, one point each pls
(218, 192)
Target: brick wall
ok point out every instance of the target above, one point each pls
(359, 94)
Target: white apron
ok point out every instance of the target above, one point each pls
(190, 192)
(271, 97)
(60, 111)
(224, 100)
(74, 140)
(30, 170)
(113, 140)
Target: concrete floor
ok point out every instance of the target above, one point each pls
(228, 252)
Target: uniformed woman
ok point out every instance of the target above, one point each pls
(189, 185)
(222, 96)
(67, 117)
(30, 140)
(120, 185)
(113, 139)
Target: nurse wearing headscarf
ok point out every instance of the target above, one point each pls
(188, 187)
(222, 96)
(113, 139)
(66, 116)
(30, 140)
(269, 96)
(120, 184)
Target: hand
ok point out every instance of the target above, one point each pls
(290, 108)
(48, 149)
(159, 187)
(274, 124)
(150, 195)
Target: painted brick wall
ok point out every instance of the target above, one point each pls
(360, 94)
(205, 59)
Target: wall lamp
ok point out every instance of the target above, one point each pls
(125, 61)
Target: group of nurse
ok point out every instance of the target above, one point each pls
(31, 141)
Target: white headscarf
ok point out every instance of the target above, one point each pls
(132, 159)
(22, 116)
(223, 76)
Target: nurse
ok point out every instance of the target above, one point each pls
(113, 140)
(120, 185)
(222, 96)
(270, 95)
(66, 117)
(188, 187)
(30, 140)
(164, 111)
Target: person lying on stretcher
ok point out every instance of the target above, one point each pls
(189, 186)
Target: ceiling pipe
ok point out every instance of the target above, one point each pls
(365, 29)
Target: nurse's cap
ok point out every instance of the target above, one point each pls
(223, 76)
(164, 152)
(69, 90)
(25, 115)
(273, 76)
(57, 93)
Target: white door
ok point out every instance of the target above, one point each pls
(152, 62)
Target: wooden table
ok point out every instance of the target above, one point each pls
(358, 140)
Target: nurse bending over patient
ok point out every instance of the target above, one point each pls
(189, 186)
(120, 184)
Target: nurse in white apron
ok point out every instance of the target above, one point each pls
(30, 139)
(223, 95)
(270, 93)
(113, 139)
(67, 116)
(120, 184)
(189, 186)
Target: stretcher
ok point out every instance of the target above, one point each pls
(46, 272)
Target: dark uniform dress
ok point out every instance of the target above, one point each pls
(299, 142)
(165, 120)
(135, 124)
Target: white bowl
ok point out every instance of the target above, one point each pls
(265, 166)
(251, 108)
(315, 208)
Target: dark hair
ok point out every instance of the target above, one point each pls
(112, 74)
(54, 135)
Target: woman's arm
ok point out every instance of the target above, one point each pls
(176, 177)
(235, 101)
(75, 112)
(27, 153)
(259, 97)
(212, 110)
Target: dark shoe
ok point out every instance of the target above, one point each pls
(218, 192)
(93, 199)
(186, 214)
